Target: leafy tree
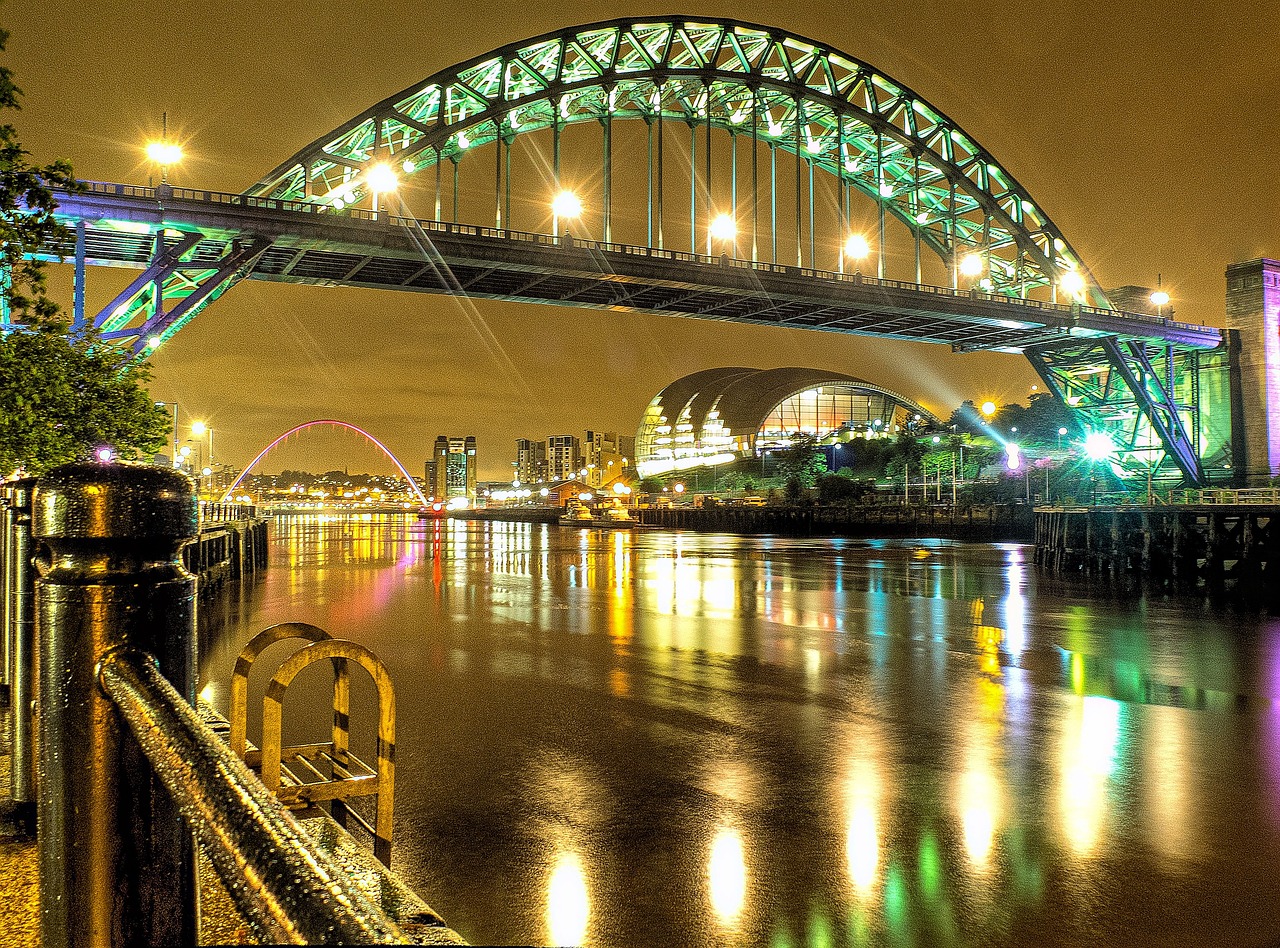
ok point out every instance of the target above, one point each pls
(61, 397)
(62, 393)
(802, 460)
(842, 488)
(26, 213)
(793, 490)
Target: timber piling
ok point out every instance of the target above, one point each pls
(1212, 545)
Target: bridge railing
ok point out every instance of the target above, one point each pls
(1189, 497)
(166, 192)
(128, 771)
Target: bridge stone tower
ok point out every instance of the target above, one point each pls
(1253, 322)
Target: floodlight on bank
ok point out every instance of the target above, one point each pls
(1098, 446)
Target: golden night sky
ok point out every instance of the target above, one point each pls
(1145, 131)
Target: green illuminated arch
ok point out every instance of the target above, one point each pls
(839, 113)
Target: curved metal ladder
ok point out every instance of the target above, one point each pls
(291, 773)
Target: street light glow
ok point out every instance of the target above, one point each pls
(164, 153)
(198, 428)
(723, 227)
(1098, 446)
(566, 204)
(988, 408)
(381, 179)
(1160, 298)
(971, 265)
(1073, 283)
(856, 247)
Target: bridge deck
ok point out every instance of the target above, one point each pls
(313, 245)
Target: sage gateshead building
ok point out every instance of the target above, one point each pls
(720, 415)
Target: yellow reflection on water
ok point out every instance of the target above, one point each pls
(1169, 791)
(1089, 748)
(862, 842)
(568, 905)
(727, 875)
(979, 794)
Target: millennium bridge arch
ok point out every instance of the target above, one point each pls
(413, 485)
(775, 91)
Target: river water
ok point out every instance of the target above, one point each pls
(668, 738)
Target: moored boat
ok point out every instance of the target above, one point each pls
(577, 514)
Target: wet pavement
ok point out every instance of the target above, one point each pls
(691, 739)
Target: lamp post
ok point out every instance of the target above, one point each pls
(567, 205)
(856, 247)
(164, 152)
(724, 229)
(199, 428)
(174, 459)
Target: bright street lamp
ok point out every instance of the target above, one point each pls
(381, 179)
(988, 409)
(1161, 300)
(723, 227)
(857, 249)
(1073, 283)
(1098, 446)
(566, 205)
(971, 265)
(199, 428)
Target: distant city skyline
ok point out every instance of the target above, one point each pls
(1153, 170)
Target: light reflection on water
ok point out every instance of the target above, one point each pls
(663, 738)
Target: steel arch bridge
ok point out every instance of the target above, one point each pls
(834, 113)
(1016, 284)
(413, 485)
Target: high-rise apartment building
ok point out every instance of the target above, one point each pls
(452, 468)
(564, 457)
(531, 461)
(604, 456)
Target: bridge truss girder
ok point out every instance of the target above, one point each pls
(835, 113)
(1145, 397)
(187, 271)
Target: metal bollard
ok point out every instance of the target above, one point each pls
(116, 861)
(20, 637)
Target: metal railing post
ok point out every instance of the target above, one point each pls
(19, 632)
(116, 861)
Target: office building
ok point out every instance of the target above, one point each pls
(452, 468)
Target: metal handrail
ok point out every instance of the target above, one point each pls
(298, 895)
(127, 771)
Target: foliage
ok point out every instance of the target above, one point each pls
(842, 488)
(26, 213)
(792, 490)
(802, 460)
(61, 397)
(652, 485)
(62, 394)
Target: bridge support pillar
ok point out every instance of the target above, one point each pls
(1253, 322)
